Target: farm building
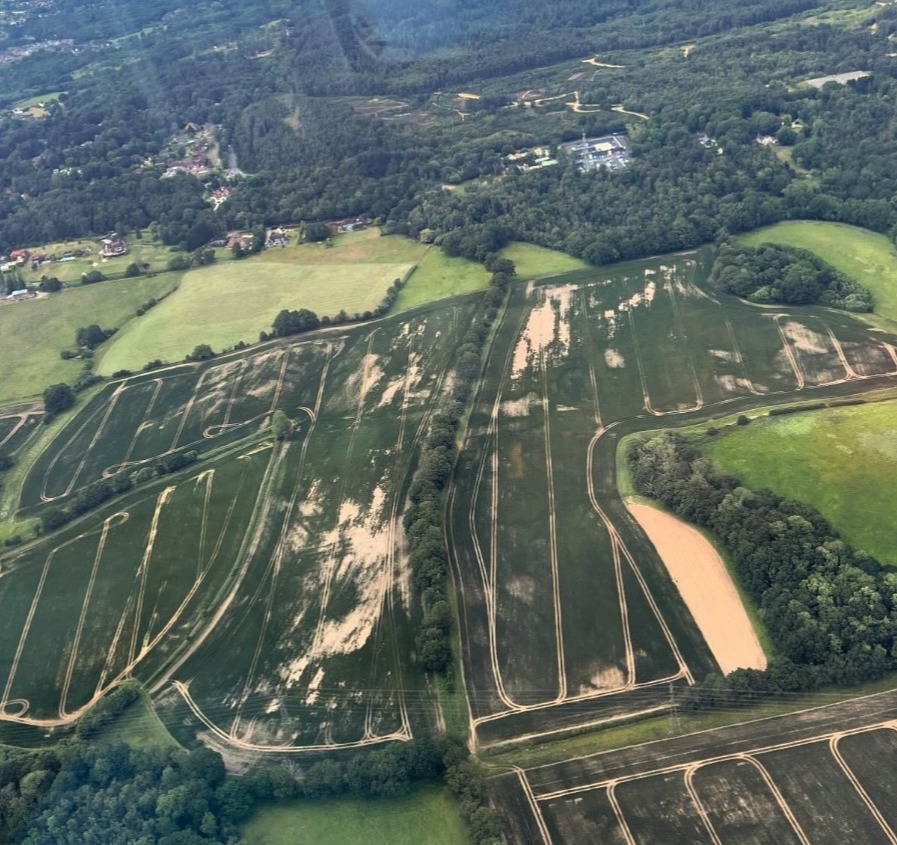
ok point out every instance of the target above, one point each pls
(113, 246)
(350, 224)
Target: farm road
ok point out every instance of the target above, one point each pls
(679, 752)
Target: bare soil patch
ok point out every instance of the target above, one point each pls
(704, 584)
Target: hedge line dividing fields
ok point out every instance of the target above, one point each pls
(263, 593)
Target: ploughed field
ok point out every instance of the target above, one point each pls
(261, 593)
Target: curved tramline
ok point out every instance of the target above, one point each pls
(308, 650)
(142, 419)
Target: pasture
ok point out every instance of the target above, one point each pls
(33, 333)
(233, 301)
(438, 276)
(533, 262)
(426, 817)
(261, 592)
(866, 256)
(840, 460)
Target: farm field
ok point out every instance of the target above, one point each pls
(439, 276)
(235, 300)
(426, 817)
(568, 615)
(290, 627)
(34, 332)
(232, 301)
(866, 256)
(840, 460)
(534, 261)
(819, 776)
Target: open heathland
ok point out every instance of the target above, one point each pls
(840, 460)
(867, 257)
(427, 817)
(33, 333)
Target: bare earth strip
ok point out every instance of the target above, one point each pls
(704, 583)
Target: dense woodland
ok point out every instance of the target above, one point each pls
(830, 610)
(276, 89)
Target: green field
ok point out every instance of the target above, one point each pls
(534, 261)
(438, 277)
(863, 255)
(427, 817)
(34, 332)
(840, 460)
(235, 300)
(138, 726)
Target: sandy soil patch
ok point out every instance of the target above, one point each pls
(646, 297)
(805, 339)
(730, 356)
(547, 329)
(614, 359)
(519, 407)
(705, 586)
(607, 678)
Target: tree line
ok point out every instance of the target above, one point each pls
(80, 791)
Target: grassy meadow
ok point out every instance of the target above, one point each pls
(235, 300)
(34, 332)
(863, 255)
(840, 460)
(534, 261)
(438, 276)
(232, 301)
(427, 817)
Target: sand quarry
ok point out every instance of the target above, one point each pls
(704, 584)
